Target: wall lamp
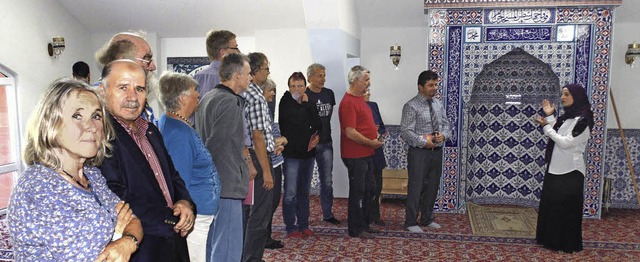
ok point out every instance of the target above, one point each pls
(56, 46)
(633, 54)
(395, 53)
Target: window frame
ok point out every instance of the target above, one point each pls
(10, 82)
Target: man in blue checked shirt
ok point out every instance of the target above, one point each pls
(424, 127)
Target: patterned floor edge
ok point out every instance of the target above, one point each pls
(6, 255)
(599, 245)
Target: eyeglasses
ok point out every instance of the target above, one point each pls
(146, 62)
(234, 48)
(266, 68)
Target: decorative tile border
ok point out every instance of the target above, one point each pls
(430, 4)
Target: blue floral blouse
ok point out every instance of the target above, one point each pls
(52, 220)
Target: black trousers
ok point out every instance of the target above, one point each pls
(156, 248)
(259, 216)
(277, 194)
(425, 169)
(361, 193)
(374, 215)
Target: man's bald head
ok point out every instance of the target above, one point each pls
(127, 45)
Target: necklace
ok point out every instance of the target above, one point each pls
(181, 117)
(88, 187)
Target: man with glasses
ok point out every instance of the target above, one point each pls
(132, 46)
(256, 110)
(219, 43)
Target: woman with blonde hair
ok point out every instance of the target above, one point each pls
(61, 208)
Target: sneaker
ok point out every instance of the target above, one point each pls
(415, 229)
(365, 235)
(332, 220)
(307, 232)
(296, 234)
(434, 225)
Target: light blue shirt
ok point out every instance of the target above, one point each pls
(208, 78)
(416, 121)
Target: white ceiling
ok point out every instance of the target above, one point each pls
(193, 18)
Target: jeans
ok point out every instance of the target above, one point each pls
(361, 193)
(295, 203)
(226, 237)
(324, 159)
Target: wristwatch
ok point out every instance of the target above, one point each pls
(134, 238)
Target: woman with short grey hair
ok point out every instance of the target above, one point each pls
(191, 158)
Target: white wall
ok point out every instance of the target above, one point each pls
(27, 27)
(624, 81)
(288, 51)
(392, 88)
(331, 47)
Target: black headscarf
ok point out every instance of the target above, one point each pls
(581, 107)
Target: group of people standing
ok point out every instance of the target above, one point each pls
(107, 180)
(104, 172)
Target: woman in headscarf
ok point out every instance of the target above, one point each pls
(561, 202)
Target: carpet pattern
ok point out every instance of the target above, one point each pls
(616, 237)
(497, 221)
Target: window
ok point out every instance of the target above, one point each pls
(10, 163)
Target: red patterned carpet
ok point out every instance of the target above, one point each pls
(616, 237)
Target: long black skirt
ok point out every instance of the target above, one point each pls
(560, 212)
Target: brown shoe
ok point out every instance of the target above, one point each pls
(365, 235)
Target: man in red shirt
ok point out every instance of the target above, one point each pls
(358, 140)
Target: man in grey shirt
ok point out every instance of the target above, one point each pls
(219, 122)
